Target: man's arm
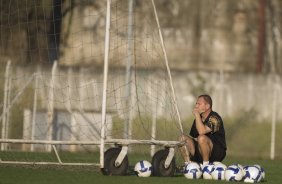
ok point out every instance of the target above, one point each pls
(202, 129)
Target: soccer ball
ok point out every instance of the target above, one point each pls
(143, 168)
(261, 170)
(218, 172)
(207, 170)
(219, 164)
(234, 173)
(193, 171)
(253, 174)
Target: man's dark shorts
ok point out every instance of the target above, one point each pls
(218, 154)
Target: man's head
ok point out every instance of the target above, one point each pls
(204, 103)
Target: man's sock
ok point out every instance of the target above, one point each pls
(187, 162)
(205, 162)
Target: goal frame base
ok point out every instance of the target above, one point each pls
(119, 142)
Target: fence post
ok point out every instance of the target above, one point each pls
(34, 111)
(154, 117)
(8, 112)
(5, 105)
(274, 119)
(50, 105)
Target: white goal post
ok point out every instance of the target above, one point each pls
(104, 103)
(60, 91)
(52, 144)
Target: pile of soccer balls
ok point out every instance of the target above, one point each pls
(215, 171)
(219, 171)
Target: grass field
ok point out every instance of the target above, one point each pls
(43, 175)
(239, 151)
(248, 143)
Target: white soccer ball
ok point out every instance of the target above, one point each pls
(219, 164)
(143, 168)
(192, 171)
(261, 170)
(253, 174)
(207, 170)
(218, 172)
(234, 173)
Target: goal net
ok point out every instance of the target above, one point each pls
(52, 86)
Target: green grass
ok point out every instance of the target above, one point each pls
(56, 175)
(83, 157)
(248, 143)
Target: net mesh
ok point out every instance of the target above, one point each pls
(62, 101)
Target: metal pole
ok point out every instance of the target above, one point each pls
(5, 105)
(105, 83)
(50, 107)
(69, 109)
(127, 122)
(154, 119)
(8, 112)
(34, 111)
(273, 123)
(167, 67)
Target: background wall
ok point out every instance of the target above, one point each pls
(236, 35)
(233, 93)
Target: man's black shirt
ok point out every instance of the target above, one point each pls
(217, 134)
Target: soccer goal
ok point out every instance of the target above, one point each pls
(123, 102)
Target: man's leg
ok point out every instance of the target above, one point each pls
(205, 147)
(187, 149)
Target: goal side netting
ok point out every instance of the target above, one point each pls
(52, 113)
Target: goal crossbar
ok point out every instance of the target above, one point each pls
(107, 141)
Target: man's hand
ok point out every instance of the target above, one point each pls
(196, 112)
